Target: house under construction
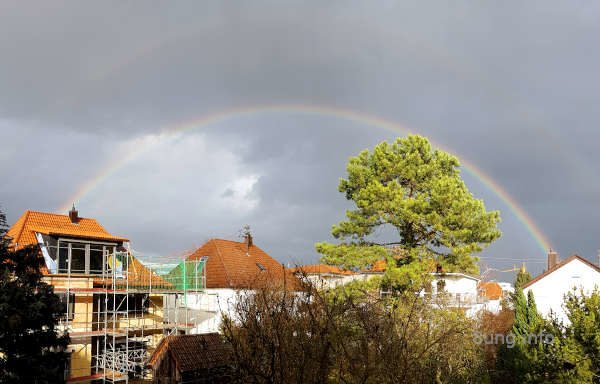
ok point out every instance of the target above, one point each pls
(114, 306)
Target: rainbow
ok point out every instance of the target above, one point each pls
(302, 109)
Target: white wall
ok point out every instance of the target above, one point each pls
(329, 280)
(203, 310)
(459, 287)
(461, 291)
(214, 302)
(549, 291)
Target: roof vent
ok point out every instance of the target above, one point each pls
(74, 215)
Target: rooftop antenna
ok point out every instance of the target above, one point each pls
(523, 268)
(245, 231)
(247, 236)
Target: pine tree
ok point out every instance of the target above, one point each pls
(416, 191)
(30, 348)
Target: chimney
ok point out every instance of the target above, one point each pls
(552, 259)
(248, 240)
(599, 257)
(74, 215)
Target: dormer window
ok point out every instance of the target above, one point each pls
(81, 257)
(261, 267)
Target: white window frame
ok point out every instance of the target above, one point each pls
(106, 249)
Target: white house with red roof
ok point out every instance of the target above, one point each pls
(572, 274)
(232, 269)
(324, 276)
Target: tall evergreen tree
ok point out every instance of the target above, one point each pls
(523, 277)
(541, 353)
(512, 361)
(31, 350)
(521, 325)
(417, 192)
(534, 320)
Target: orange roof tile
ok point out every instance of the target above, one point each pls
(22, 233)
(321, 269)
(490, 289)
(233, 264)
(138, 276)
(193, 352)
(379, 266)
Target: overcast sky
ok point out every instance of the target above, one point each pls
(512, 87)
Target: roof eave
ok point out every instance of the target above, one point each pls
(91, 237)
(557, 267)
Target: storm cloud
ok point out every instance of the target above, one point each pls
(508, 86)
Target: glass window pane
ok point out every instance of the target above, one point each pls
(96, 259)
(51, 245)
(77, 258)
(63, 258)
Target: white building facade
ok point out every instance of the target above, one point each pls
(574, 274)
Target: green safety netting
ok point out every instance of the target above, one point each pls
(187, 275)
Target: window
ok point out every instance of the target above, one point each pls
(78, 255)
(261, 267)
(82, 257)
(63, 258)
(96, 258)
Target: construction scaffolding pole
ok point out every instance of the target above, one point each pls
(120, 318)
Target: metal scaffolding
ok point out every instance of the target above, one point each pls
(117, 316)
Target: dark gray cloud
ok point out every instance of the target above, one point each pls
(511, 87)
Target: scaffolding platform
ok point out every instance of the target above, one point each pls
(122, 314)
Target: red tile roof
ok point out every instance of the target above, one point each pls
(321, 269)
(23, 231)
(138, 276)
(560, 265)
(193, 352)
(233, 264)
(490, 289)
(378, 266)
